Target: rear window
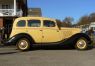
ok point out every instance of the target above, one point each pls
(34, 23)
(21, 23)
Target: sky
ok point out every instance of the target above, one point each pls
(59, 9)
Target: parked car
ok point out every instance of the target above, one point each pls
(29, 31)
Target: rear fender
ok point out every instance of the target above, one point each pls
(72, 39)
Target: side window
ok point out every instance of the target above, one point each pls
(34, 23)
(21, 23)
(48, 23)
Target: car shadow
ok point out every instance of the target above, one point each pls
(42, 47)
(52, 47)
(57, 47)
(7, 53)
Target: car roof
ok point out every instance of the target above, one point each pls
(26, 18)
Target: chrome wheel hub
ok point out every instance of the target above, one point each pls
(81, 44)
(23, 44)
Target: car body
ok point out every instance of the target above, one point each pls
(40, 30)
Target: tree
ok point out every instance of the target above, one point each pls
(68, 21)
(84, 20)
(92, 17)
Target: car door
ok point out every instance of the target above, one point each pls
(34, 29)
(51, 33)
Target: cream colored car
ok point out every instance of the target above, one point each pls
(29, 31)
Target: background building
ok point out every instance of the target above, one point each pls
(9, 10)
(13, 9)
(36, 12)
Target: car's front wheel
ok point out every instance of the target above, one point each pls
(81, 44)
(23, 44)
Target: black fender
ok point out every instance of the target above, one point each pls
(15, 38)
(74, 38)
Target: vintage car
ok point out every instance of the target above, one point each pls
(29, 31)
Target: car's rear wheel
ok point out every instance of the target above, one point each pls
(81, 44)
(23, 44)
